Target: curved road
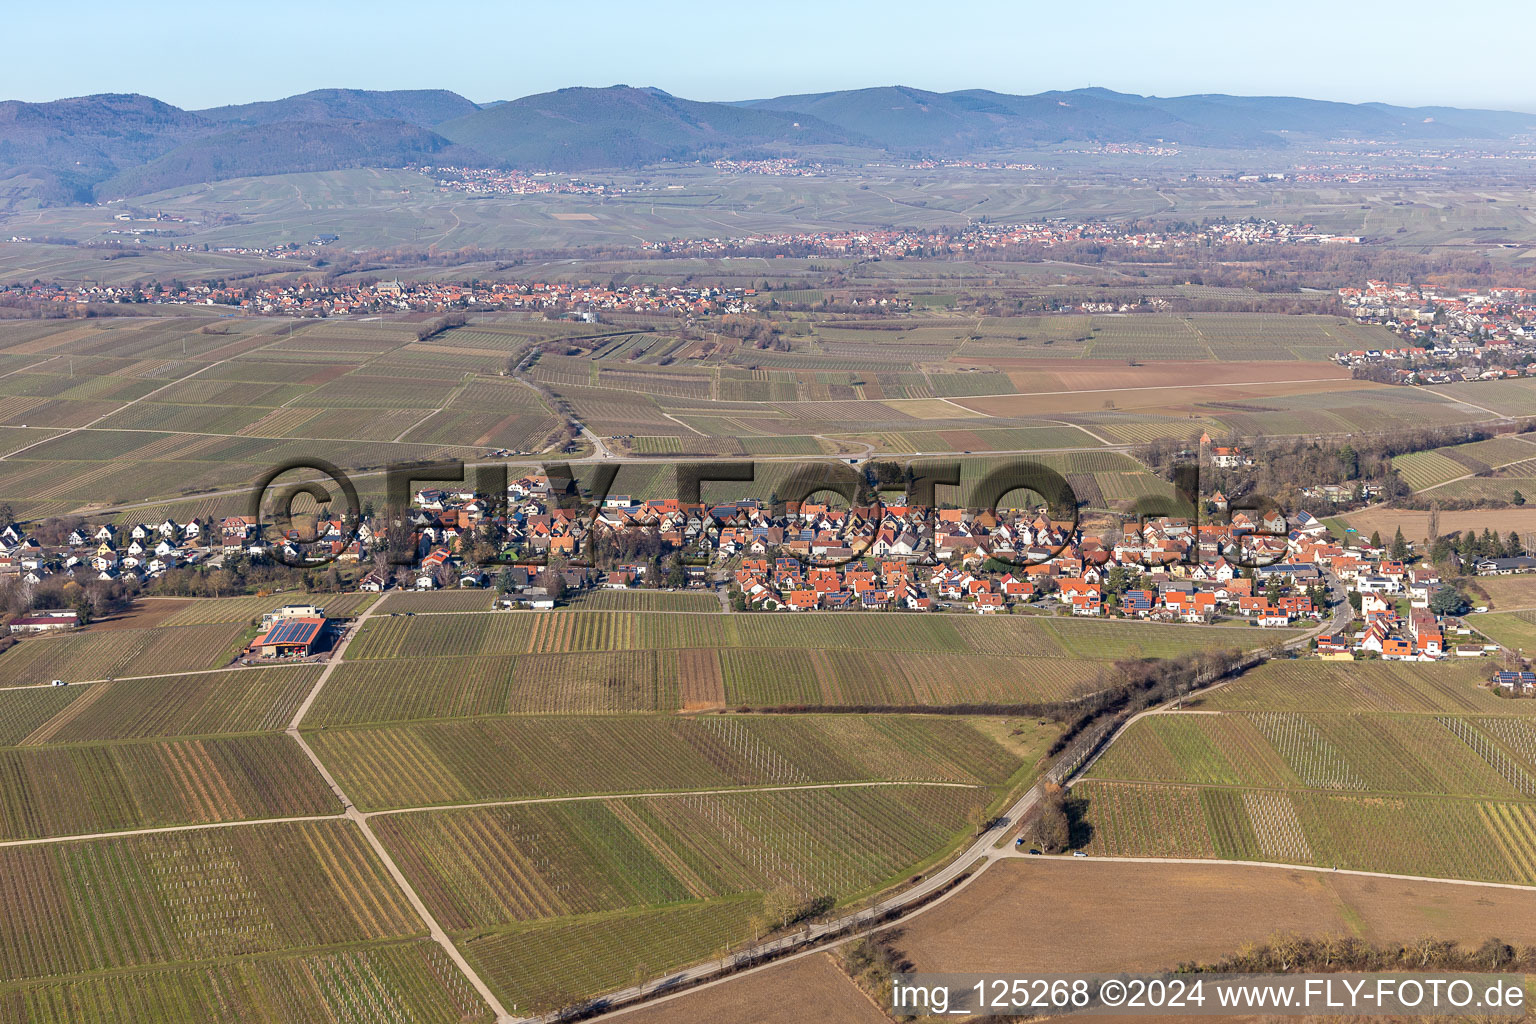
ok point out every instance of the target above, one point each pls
(986, 849)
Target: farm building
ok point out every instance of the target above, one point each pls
(292, 611)
(289, 638)
(46, 621)
(1523, 682)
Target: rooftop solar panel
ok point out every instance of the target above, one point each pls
(293, 631)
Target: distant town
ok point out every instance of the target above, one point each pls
(1454, 334)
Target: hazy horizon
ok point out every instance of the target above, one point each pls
(488, 52)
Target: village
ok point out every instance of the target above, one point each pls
(306, 298)
(1455, 334)
(539, 546)
(982, 237)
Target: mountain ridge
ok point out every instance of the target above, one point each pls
(85, 148)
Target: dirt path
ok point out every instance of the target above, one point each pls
(350, 811)
(1275, 866)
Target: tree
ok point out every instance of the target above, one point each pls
(1448, 601)
(1517, 499)
(1376, 539)
(1351, 462)
(1513, 545)
(1399, 545)
(677, 575)
(552, 579)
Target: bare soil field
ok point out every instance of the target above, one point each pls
(805, 991)
(144, 613)
(1416, 524)
(1505, 593)
(1108, 915)
(1086, 374)
(1126, 391)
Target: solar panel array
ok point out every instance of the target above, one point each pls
(293, 631)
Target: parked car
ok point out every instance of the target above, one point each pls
(57, 682)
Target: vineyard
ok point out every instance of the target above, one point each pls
(412, 688)
(122, 652)
(648, 601)
(1454, 686)
(397, 983)
(474, 760)
(1410, 769)
(775, 677)
(246, 700)
(404, 689)
(1481, 840)
(75, 790)
(71, 908)
(536, 966)
(580, 631)
(22, 711)
(1382, 753)
(488, 867)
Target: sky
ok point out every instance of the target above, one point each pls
(200, 54)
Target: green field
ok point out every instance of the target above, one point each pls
(1405, 769)
(583, 631)
(517, 758)
(123, 652)
(402, 980)
(1514, 630)
(180, 897)
(566, 897)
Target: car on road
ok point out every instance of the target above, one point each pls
(58, 682)
(1078, 853)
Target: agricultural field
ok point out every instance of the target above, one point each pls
(1415, 524)
(1455, 687)
(538, 964)
(647, 601)
(101, 654)
(396, 980)
(1515, 630)
(1480, 840)
(502, 878)
(1152, 917)
(1503, 593)
(464, 761)
(809, 988)
(1433, 469)
(1406, 769)
(594, 662)
(128, 411)
(200, 704)
(571, 631)
(183, 897)
(156, 751)
(83, 789)
(436, 601)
